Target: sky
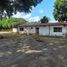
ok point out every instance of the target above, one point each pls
(45, 8)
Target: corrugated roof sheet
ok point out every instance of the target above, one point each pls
(44, 24)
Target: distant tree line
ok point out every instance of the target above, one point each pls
(8, 23)
(45, 19)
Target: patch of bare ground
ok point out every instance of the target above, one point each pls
(32, 51)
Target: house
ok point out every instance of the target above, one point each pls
(51, 29)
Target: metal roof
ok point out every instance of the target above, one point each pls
(44, 24)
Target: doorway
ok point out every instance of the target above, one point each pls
(37, 30)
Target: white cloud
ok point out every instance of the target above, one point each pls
(37, 18)
(41, 11)
(32, 7)
(22, 15)
(28, 16)
(18, 15)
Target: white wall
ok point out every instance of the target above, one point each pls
(44, 30)
(65, 30)
(32, 30)
(52, 33)
(14, 29)
(28, 30)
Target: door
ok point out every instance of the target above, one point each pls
(37, 30)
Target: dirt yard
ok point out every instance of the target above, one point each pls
(32, 51)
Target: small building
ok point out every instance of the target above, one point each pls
(49, 29)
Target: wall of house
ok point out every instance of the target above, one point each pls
(14, 29)
(65, 29)
(28, 30)
(47, 30)
(52, 33)
(44, 30)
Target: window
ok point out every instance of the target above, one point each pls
(57, 29)
(21, 29)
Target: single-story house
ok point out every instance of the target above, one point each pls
(51, 29)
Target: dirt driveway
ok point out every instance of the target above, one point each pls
(29, 51)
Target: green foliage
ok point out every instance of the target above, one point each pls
(60, 10)
(10, 7)
(45, 19)
(65, 41)
(7, 23)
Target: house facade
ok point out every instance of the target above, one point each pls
(50, 29)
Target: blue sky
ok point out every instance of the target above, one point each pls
(45, 8)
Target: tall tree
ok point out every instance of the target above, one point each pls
(10, 7)
(45, 19)
(60, 10)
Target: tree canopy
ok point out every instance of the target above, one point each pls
(45, 19)
(60, 10)
(10, 7)
(8, 23)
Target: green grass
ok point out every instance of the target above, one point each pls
(45, 39)
(65, 42)
(51, 39)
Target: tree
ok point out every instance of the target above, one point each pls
(8, 23)
(10, 7)
(60, 10)
(45, 19)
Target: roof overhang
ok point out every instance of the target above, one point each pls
(43, 25)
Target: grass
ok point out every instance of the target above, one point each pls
(9, 35)
(65, 42)
(51, 39)
(47, 39)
